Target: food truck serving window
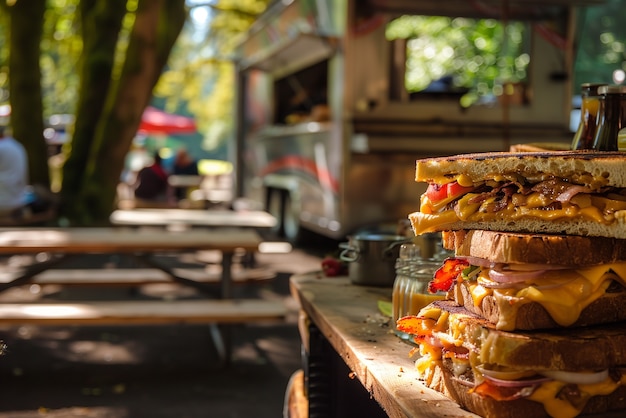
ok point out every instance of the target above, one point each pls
(466, 59)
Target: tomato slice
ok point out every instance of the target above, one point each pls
(437, 192)
(455, 189)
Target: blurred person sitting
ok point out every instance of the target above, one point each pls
(184, 165)
(151, 182)
(18, 199)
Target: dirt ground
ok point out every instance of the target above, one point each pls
(152, 371)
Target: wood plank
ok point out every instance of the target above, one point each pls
(296, 403)
(31, 219)
(140, 276)
(113, 240)
(349, 318)
(195, 217)
(143, 312)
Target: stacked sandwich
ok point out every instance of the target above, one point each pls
(534, 323)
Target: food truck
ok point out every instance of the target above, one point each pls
(328, 133)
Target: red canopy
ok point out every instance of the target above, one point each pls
(155, 121)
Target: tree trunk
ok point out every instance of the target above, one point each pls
(157, 26)
(25, 85)
(101, 22)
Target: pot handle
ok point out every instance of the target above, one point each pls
(388, 253)
(349, 254)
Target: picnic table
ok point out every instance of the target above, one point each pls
(61, 244)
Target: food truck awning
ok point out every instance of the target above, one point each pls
(156, 121)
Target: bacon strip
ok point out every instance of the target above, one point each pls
(445, 275)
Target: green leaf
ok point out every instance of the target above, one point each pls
(385, 307)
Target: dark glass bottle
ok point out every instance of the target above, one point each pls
(612, 118)
(586, 132)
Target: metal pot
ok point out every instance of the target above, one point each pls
(372, 258)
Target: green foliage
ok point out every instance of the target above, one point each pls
(4, 54)
(61, 47)
(199, 78)
(475, 52)
(601, 43)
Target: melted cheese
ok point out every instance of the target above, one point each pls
(546, 394)
(563, 293)
(462, 179)
(436, 216)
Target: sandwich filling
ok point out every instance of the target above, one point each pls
(563, 291)
(512, 197)
(443, 344)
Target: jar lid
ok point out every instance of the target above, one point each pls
(612, 89)
(591, 85)
(591, 88)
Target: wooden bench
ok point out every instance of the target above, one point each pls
(141, 276)
(143, 312)
(30, 219)
(151, 312)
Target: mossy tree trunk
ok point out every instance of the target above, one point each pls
(155, 30)
(101, 21)
(26, 29)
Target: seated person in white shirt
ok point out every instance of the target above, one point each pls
(16, 195)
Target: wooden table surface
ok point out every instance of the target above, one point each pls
(122, 240)
(349, 318)
(194, 217)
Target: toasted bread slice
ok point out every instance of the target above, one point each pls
(515, 247)
(425, 223)
(516, 311)
(607, 309)
(579, 166)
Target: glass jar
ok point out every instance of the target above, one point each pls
(410, 290)
(585, 134)
(612, 119)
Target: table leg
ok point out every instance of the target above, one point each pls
(202, 287)
(227, 293)
(33, 270)
(221, 334)
(227, 275)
